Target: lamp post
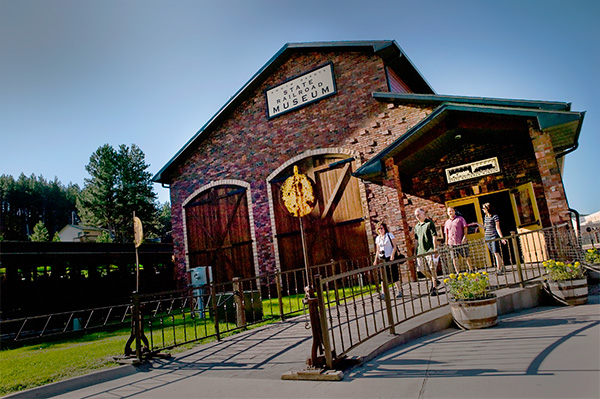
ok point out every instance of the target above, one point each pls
(299, 199)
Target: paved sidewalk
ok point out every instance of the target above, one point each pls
(546, 352)
(549, 352)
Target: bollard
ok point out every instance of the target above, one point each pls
(315, 323)
(324, 330)
(238, 297)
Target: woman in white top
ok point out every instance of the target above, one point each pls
(385, 249)
(384, 244)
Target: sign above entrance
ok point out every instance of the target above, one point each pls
(472, 170)
(300, 91)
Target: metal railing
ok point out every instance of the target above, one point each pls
(212, 311)
(178, 317)
(590, 238)
(357, 305)
(357, 300)
(64, 323)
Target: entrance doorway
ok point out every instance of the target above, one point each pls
(501, 202)
(470, 209)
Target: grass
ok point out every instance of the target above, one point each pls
(43, 363)
(40, 364)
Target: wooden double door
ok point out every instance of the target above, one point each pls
(335, 229)
(219, 234)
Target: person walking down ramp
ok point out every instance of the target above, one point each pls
(386, 249)
(455, 230)
(425, 237)
(491, 225)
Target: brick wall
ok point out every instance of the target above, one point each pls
(248, 147)
(550, 185)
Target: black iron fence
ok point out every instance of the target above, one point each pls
(177, 317)
(37, 278)
(351, 315)
(44, 327)
(181, 317)
(356, 300)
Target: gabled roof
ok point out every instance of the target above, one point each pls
(82, 228)
(392, 55)
(555, 118)
(415, 98)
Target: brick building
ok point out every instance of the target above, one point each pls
(360, 120)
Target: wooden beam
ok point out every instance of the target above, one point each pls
(338, 191)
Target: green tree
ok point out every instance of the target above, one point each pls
(56, 237)
(104, 237)
(164, 219)
(27, 200)
(119, 185)
(40, 233)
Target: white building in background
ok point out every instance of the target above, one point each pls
(592, 219)
(78, 233)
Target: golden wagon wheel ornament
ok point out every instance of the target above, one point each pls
(299, 199)
(298, 195)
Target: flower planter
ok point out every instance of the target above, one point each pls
(474, 314)
(573, 292)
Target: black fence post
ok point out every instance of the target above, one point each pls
(135, 314)
(515, 243)
(213, 296)
(386, 296)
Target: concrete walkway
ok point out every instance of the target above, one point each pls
(549, 352)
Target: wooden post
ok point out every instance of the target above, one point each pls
(305, 253)
(238, 297)
(324, 329)
(315, 324)
(279, 294)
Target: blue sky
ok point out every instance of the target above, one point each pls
(75, 75)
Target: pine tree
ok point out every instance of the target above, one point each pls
(119, 185)
(40, 233)
(27, 200)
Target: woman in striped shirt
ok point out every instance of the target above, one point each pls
(491, 226)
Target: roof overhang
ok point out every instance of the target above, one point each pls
(442, 130)
(392, 55)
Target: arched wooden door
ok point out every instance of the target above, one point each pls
(336, 227)
(218, 232)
